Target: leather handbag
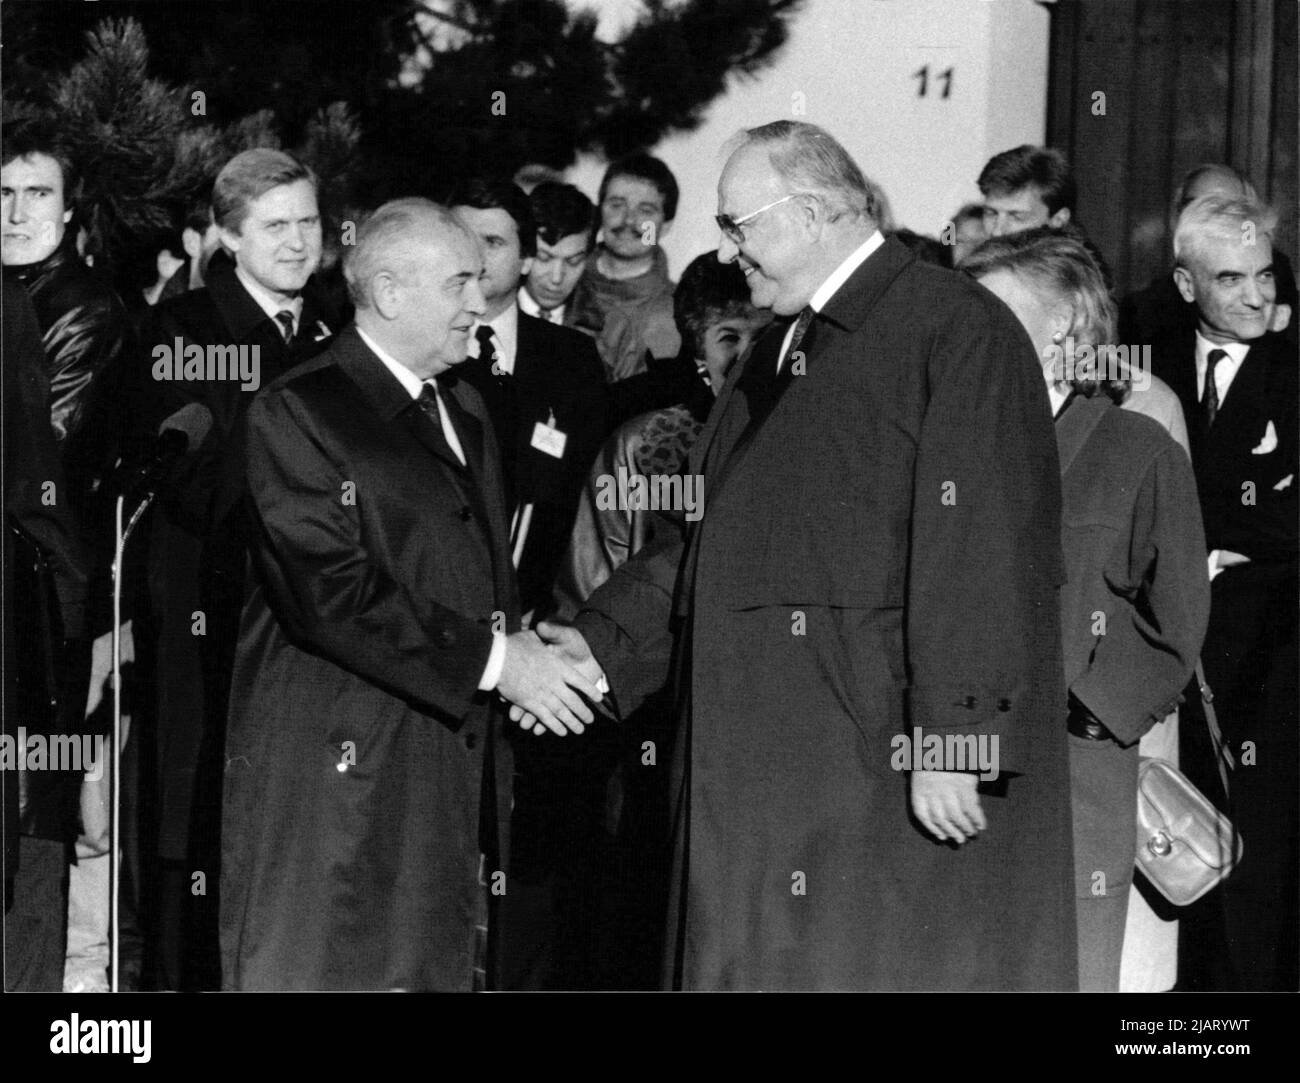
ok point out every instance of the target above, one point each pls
(1185, 846)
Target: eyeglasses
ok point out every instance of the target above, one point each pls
(731, 226)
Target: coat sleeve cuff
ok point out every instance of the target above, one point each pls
(940, 707)
(979, 711)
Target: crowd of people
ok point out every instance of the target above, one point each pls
(518, 618)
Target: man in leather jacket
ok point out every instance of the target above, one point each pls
(45, 581)
(83, 323)
(83, 329)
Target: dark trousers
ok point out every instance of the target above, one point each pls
(1243, 935)
(588, 885)
(36, 911)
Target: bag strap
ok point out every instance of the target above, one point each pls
(1222, 753)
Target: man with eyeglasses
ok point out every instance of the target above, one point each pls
(625, 297)
(879, 556)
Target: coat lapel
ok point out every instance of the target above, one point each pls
(487, 482)
(1075, 425)
(387, 396)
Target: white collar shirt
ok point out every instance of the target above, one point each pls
(831, 286)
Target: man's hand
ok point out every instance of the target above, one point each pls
(540, 681)
(568, 644)
(947, 805)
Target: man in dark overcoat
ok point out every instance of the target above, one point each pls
(367, 786)
(261, 307)
(879, 554)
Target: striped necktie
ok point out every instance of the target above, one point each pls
(285, 319)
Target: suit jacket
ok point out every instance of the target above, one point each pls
(882, 548)
(557, 373)
(198, 537)
(1247, 464)
(365, 773)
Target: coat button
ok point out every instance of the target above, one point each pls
(466, 514)
(471, 740)
(1004, 704)
(969, 703)
(445, 638)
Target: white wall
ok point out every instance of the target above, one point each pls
(849, 65)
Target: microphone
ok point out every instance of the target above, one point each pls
(186, 429)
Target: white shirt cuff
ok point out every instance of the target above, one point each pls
(495, 664)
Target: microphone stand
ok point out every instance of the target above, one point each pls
(120, 539)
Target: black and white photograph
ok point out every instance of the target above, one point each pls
(616, 497)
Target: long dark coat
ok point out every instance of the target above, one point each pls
(31, 655)
(197, 547)
(883, 548)
(357, 739)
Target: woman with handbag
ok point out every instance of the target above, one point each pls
(1136, 598)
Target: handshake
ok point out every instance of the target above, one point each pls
(546, 675)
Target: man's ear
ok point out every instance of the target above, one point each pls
(230, 240)
(1183, 280)
(1060, 218)
(385, 294)
(525, 267)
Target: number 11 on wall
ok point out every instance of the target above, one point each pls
(922, 74)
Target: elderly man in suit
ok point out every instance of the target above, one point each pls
(1237, 381)
(875, 573)
(368, 782)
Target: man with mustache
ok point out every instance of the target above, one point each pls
(625, 297)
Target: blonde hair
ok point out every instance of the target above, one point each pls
(1060, 269)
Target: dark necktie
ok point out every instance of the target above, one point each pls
(285, 320)
(428, 401)
(501, 400)
(801, 326)
(1210, 397)
(487, 352)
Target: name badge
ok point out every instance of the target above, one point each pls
(548, 439)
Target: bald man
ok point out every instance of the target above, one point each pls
(883, 496)
(368, 783)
